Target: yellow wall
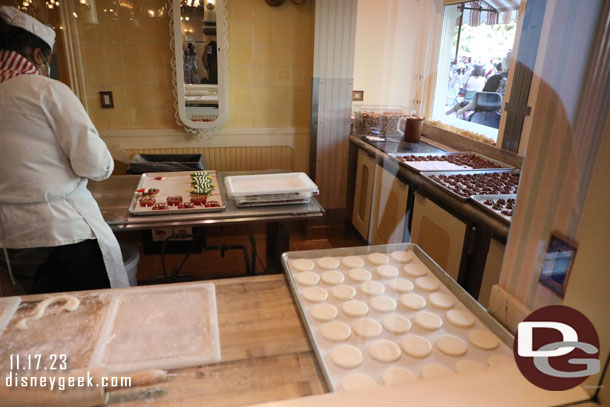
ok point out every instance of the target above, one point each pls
(270, 64)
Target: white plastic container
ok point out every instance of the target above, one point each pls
(271, 189)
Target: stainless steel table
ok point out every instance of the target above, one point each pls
(114, 196)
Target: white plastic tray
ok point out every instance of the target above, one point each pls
(254, 186)
(159, 328)
(335, 375)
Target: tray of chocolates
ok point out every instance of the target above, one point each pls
(465, 184)
(464, 161)
(170, 193)
(502, 206)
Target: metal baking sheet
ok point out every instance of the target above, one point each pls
(446, 153)
(479, 199)
(469, 303)
(147, 180)
(428, 174)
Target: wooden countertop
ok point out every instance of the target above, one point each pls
(266, 355)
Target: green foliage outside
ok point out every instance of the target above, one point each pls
(485, 41)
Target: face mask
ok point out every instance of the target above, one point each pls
(48, 66)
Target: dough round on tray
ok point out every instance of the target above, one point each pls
(467, 366)
(336, 331)
(332, 277)
(382, 303)
(459, 318)
(324, 312)
(500, 360)
(352, 262)
(435, 370)
(367, 328)
(483, 339)
(396, 324)
(343, 292)
(378, 258)
(412, 301)
(307, 278)
(397, 375)
(328, 263)
(358, 381)
(402, 257)
(402, 285)
(416, 346)
(440, 300)
(359, 275)
(387, 271)
(372, 288)
(451, 345)
(303, 265)
(355, 308)
(315, 294)
(427, 284)
(346, 356)
(384, 351)
(428, 321)
(415, 270)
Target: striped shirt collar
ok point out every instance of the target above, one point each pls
(13, 64)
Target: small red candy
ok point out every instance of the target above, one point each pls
(160, 206)
(186, 205)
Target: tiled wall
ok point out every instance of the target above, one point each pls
(127, 52)
(270, 63)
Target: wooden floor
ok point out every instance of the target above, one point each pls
(210, 264)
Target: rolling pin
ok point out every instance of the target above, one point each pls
(72, 396)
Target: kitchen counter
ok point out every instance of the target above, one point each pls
(466, 209)
(265, 353)
(396, 145)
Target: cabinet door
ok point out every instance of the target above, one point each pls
(438, 233)
(491, 273)
(388, 213)
(363, 193)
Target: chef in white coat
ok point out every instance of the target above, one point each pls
(49, 149)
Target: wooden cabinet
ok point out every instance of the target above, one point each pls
(363, 193)
(388, 214)
(491, 273)
(440, 234)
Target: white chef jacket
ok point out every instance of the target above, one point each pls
(48, 149)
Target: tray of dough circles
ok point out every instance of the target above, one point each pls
(386, 315)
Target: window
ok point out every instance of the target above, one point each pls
(476, 47)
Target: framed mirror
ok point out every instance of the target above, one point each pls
(200, 44)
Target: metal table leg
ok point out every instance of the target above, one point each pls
(278, 242)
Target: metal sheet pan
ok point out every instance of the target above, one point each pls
(428, 174)
(479, 199)
(217, 195)
(469, 302)
(418, 170)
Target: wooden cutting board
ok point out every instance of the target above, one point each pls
(57, 332)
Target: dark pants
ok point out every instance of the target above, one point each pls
(73, 267)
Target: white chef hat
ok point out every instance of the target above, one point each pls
(14, 17)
